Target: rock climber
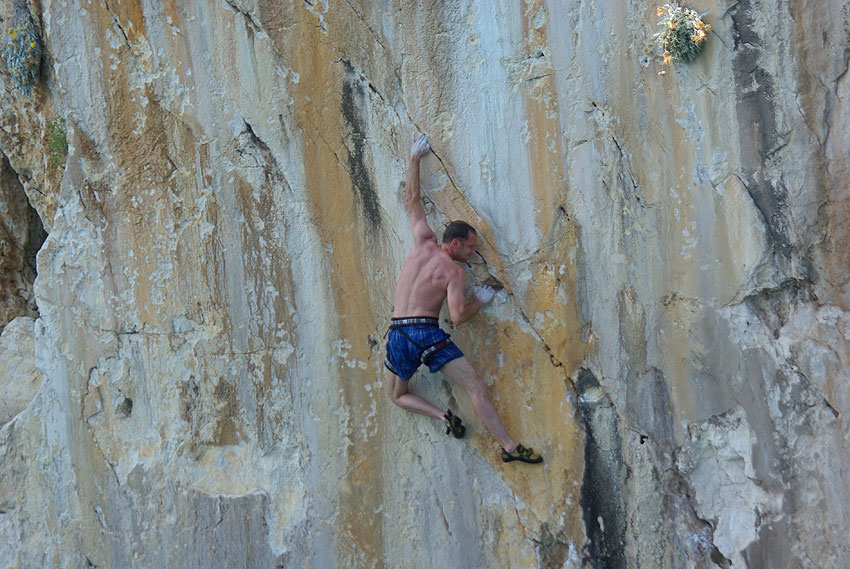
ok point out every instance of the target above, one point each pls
(431, 274)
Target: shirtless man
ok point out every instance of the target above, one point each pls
(431, 275)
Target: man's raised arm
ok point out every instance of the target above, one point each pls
(421, 230)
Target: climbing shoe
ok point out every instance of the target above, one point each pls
(455, 426)
(523, 454)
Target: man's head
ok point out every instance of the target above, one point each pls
(460, 240)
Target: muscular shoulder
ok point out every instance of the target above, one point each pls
(455, 271)
(446, 270)
(423, 234)
(437, 263)
(425, 248)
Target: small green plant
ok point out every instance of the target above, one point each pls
(683, 33)
(22, 52)
(57, 142)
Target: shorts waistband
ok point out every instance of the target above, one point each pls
(413, 321)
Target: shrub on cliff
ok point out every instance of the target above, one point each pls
(683, 33)
(22, 51)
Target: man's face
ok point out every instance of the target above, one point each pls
(466, 247)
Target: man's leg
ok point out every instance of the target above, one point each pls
(398, 394)
(461, 372)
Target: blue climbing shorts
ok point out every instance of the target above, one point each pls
(416, 341)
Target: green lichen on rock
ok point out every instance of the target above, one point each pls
(22, 51)
(683, 33)
(57, 142)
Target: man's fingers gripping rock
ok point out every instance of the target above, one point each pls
(420, 146)
(484, 293)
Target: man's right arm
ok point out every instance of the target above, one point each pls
(415, 209)
(460, 309)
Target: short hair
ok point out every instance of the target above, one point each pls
(457, 230)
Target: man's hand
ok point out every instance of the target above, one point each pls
(483, 293)
(420, 146)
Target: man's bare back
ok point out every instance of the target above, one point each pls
(425, 278)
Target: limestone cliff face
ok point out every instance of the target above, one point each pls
(194, 380)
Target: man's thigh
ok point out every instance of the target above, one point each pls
(461, 372)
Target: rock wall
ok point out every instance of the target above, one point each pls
(197, 377)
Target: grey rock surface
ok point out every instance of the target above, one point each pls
(197, 354)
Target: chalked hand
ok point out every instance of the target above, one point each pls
(420, 146)
(484, 293)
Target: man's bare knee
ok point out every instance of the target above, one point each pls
(461, 372)
(394, 387)
(479, 389)
(390, 394)
(475, 385)
(394, 396)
